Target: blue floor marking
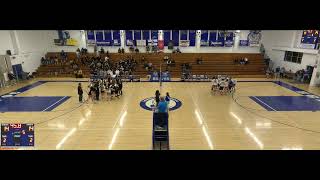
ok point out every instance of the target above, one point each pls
(9, 102)
(262, 103)
(288, 103)
(22, 90)
(306, 102)
(36, 103)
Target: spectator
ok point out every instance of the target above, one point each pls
(282, 71)
(167, 98)
(122, 50)
(63, 56)
(95, 50)
(148, 48)
(157, 98)
(79, 74)
(78, 53)
(199, 60)
(117, 72)
(131, 48)
(101, 50)
(246, 61)
(43, 61)
(119, 50)
(277, 72)
(269, 73)
(136, 50)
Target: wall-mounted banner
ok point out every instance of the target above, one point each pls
(254, 38)
(216, 44)
(309, 39)
(243, 43)
(153, 42)
(228, 43)
(103, 43)
(141, 43)
(204, 43)
(116, 42)
(130, 42)
(184, 43)
(90, 37)
(307, 46)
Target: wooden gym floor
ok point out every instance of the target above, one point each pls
(203, 122)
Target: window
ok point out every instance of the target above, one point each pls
(294, 57)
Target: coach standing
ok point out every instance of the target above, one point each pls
(80, 92)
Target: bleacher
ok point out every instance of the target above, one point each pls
(212, 64)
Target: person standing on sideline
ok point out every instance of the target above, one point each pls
(162, 111)
(157, 97)
(168, 98)
(80, 92)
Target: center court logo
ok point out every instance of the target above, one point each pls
(149, 104)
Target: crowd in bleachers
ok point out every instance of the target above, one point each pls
(223, 84)
(241, 61)
(302, 75)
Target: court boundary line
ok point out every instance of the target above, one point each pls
(53, 104)
(264, 103)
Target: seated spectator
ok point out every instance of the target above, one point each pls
(277, 72)
(101, 50)
(246, 60)
(63, 56)
(269, 73)
(148, 48)
(149, 66)
(165, 58)
(131, 48)
(79, 74)
(199, 60)
(236, 61)
(282, 71)
(173, 62)
(78, 53)
(43, 61)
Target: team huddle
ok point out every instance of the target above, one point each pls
(223, 84)
(108, 88)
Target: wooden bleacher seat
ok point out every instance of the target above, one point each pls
(212, 63)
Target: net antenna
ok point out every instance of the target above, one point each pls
(160, 78)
